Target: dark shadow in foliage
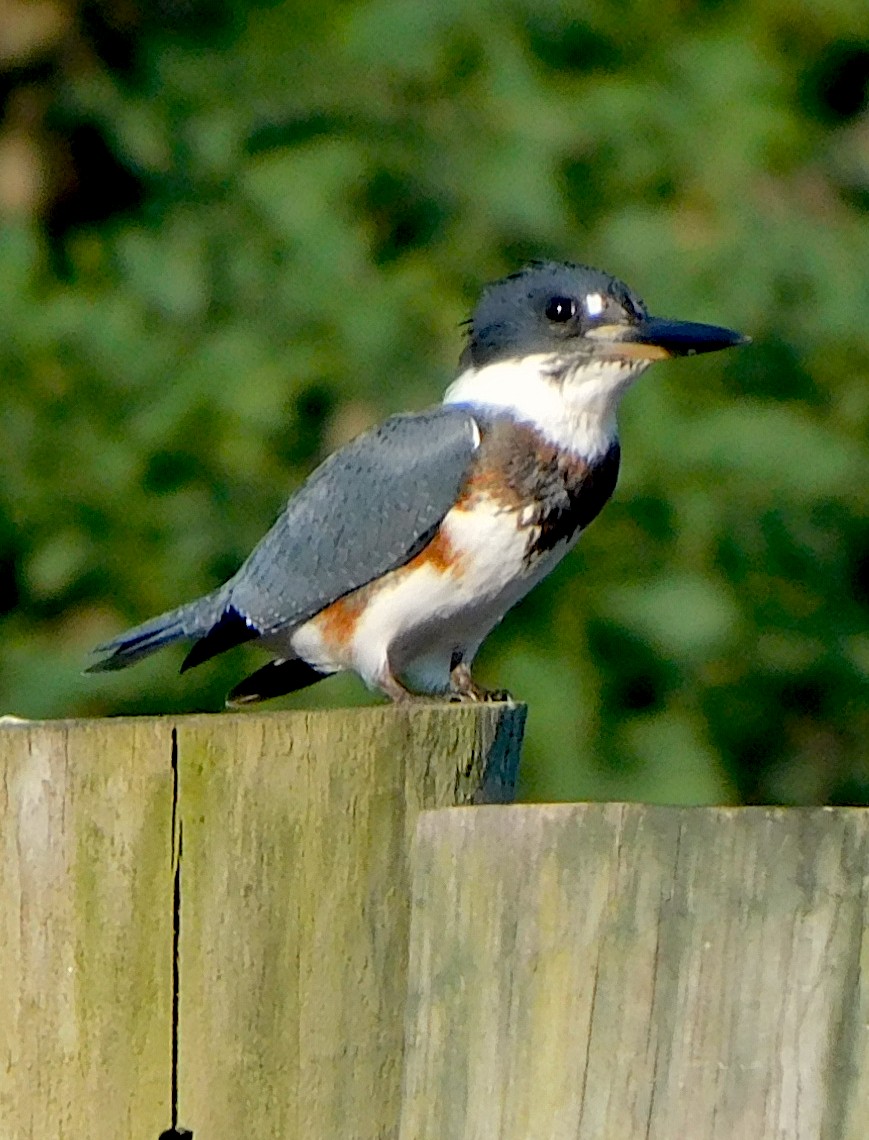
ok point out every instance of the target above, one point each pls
(169, 471)
(564, 43)
(637, 679)
(402, 215)
(10, 595)
(298, 130)
(122, 34)
(30, 73)
(835, 89)
(772, 370)
(99, 186)
(297, 440)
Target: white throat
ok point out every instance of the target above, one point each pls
(576, 411)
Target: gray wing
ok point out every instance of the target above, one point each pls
(368, 509)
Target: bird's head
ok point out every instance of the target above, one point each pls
(571, 334)
(580, 314)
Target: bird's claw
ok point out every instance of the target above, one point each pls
(465, 689)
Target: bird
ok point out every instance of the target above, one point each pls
(403, 550)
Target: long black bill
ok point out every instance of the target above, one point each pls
(680, 338)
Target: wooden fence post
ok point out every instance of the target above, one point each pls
(231, 893)
(85, 930)
(611, 972)
(296, 907)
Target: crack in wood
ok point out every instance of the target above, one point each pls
(174, 1132)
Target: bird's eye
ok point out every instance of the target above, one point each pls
(560, 309)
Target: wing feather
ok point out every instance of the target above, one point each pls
(368, 509)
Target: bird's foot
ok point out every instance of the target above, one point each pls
(391, 687)
(465, 689)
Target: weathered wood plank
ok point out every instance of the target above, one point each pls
(85, 930)
(609, 972)
(295, 906)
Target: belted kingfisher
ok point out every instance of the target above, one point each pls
(403, 550)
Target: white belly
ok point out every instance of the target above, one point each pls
(419, 617)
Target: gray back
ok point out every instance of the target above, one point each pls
(367, 509)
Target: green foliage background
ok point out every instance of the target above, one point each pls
(235, 234)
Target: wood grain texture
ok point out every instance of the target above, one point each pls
(85, 930)
(290, 834)
(296, 904)
(610, 972)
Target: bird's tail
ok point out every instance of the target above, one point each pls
(189, 622)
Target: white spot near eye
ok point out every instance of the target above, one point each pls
(594, 304)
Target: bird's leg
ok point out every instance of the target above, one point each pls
(462, 684)
(465, 688)
(390, 685)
